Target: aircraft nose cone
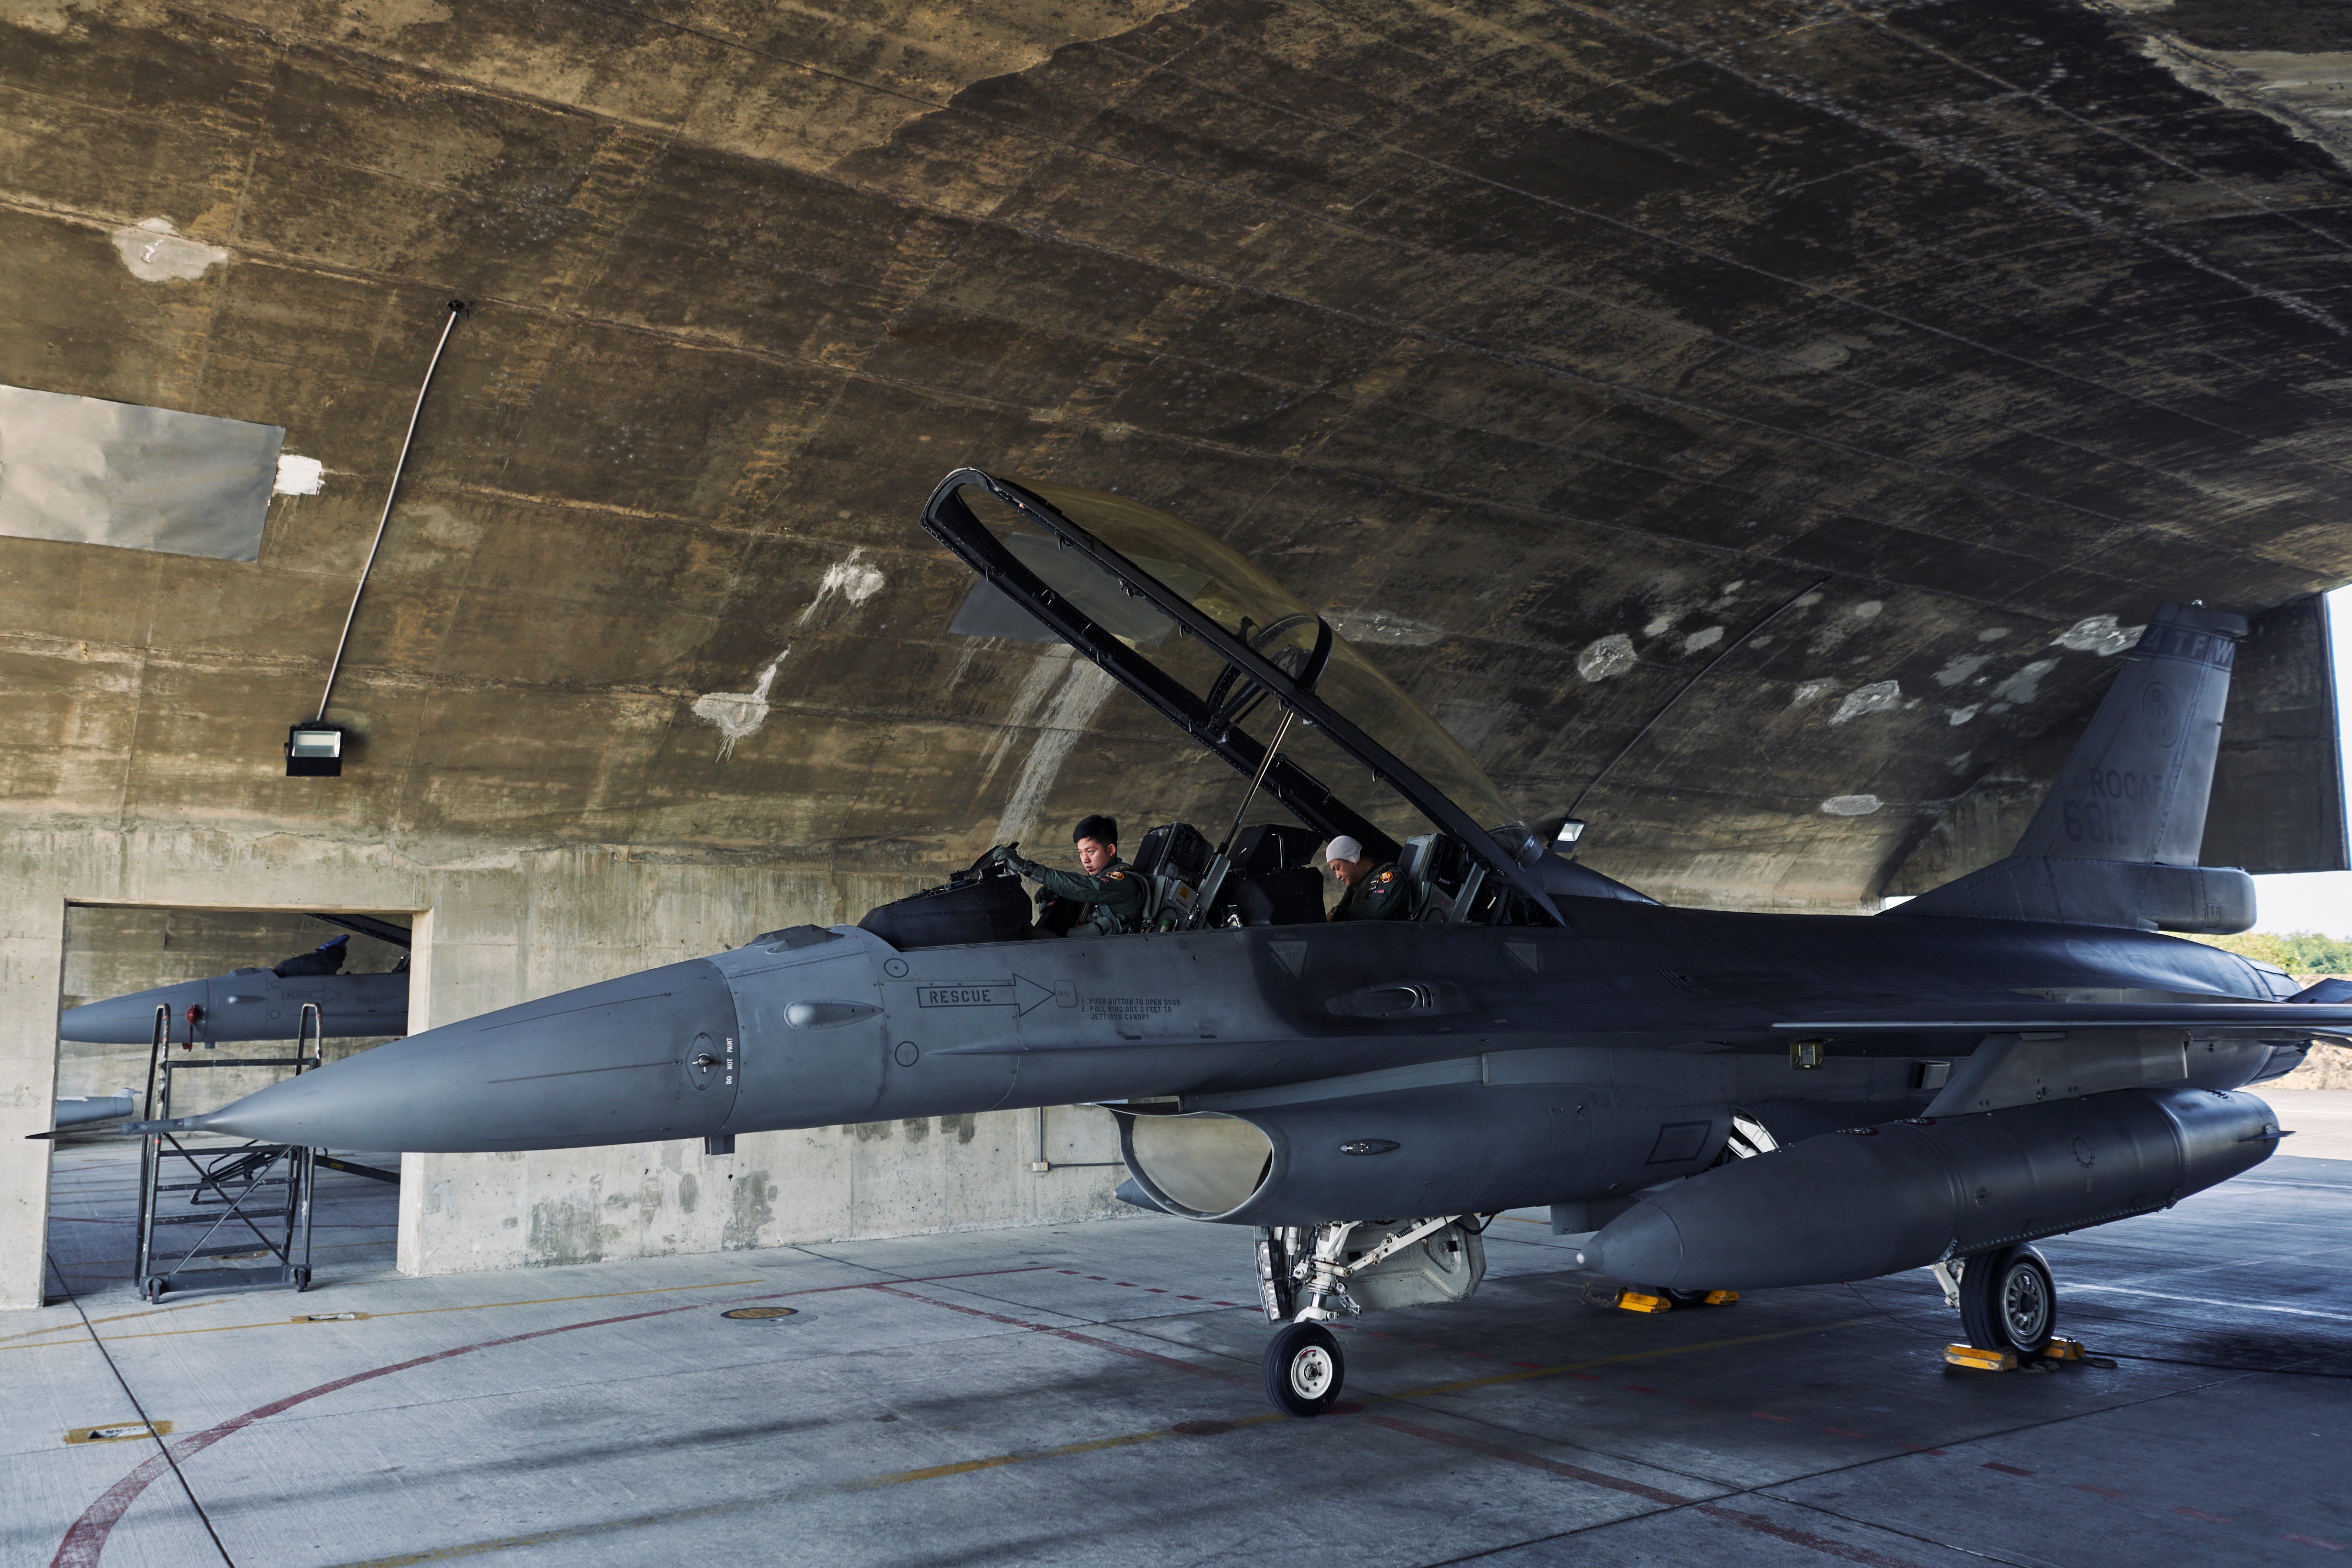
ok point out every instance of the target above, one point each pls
(131, 1020)
(651, 1056)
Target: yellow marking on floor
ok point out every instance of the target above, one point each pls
(1065, 1450)
(408, 1313)
(119, 1432)
(119, 1317)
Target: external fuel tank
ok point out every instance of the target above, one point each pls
(1868, 1201)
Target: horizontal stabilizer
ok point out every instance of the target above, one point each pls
(2205, 900)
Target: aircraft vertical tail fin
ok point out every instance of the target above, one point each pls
(2136, 788)
(2115, 842)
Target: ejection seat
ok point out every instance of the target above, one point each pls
(1274, 881)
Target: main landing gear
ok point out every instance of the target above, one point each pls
(2009, 1308)
(2008, 1302)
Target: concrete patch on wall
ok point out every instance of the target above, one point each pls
(154, 251)
(1380, 626)
(849, 579)
(1875, 698)
(1809, 692)
(2026, 685)
(2098, 634)
(1605, 657)
(1851, 805)
(299, 476)
(739, 713)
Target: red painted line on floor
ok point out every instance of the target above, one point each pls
(2207, 1518)
(1579, 1376)
(1073, 1335)
(2007, 1470)
(2104, 1491)
(2314, 1541)
(86, 1539)
(1916, 1448)
(1795, 1537)
(1768, 1415)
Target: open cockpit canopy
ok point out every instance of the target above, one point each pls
(1222, 650)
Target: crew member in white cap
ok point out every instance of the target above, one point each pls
(1374, 890)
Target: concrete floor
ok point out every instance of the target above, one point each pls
(1089, 1395)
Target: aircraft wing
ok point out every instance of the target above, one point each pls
(1979, 1016)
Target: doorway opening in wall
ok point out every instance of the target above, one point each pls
(234, 986)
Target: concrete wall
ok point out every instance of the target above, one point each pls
(497, 928)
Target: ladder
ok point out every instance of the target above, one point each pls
(258, 1194)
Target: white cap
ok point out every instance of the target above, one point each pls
(1343, 848)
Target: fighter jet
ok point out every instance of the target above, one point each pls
(261, 1004)
(1711, 1101)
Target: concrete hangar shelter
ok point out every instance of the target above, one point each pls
(1756, 427)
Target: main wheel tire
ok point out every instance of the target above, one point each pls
(1303, 1369)
(2008, 1300)
(1683, 1298)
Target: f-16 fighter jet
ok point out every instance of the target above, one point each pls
(261, 1004)
(1712, 1101)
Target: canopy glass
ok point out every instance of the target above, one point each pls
(1250, 605)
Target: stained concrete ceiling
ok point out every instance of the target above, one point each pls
(1552, 347)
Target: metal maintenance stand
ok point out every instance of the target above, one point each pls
(264, 1187)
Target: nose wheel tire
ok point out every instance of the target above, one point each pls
(2008, 1300)
(1303, 1369)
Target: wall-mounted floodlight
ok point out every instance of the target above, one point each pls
(1570, 831)
(314, 751)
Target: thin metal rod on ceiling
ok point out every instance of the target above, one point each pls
(1626, 751)
(456, 308)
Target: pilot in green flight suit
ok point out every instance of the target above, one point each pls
(1110, 892)
(1374, 891)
